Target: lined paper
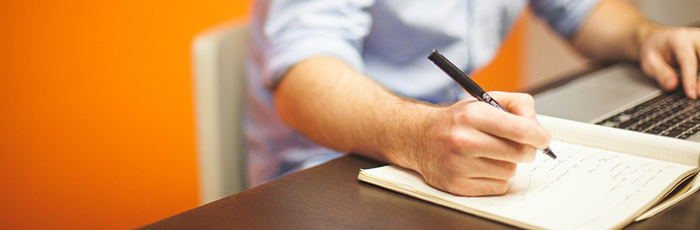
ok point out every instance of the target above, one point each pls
(585, 188)
(624, 141)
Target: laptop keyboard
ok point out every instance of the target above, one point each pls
(671, 115)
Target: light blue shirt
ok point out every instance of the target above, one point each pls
(388, 40)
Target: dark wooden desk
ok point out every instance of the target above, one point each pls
(329, 196)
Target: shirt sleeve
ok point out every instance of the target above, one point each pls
(298, 30)
(564, 16)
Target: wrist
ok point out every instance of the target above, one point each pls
(412, 133)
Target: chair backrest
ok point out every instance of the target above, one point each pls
(219, 90)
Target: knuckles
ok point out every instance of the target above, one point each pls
(509, 170)
(471, 112)
(463, 141)
(525, 99)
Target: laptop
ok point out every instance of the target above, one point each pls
(621, 96)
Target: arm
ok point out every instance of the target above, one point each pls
(468, 148)
(616, 31)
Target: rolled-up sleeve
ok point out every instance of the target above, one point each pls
(564, 16)
(298, 30)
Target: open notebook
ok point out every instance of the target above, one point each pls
(603, 178)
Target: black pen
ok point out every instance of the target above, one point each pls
(470, 86)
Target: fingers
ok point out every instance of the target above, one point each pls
(686, 56)
(516, 103)
(673, 45)
(512, 127)
(473, 177)
(510, 137)
(656, 66)
(490, 168)
(477, 187)
(508, 151)
(484, 131)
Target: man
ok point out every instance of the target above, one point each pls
(352, 76)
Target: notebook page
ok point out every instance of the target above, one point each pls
(694, 187)
(585, 189)
(619, 140)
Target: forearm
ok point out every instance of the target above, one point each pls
(335, 106)
(612, 32)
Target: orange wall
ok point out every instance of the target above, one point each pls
(96, 119)
(507, 70)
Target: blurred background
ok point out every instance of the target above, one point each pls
(96, 106)
(96, 110)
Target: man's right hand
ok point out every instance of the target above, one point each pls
(471, 148)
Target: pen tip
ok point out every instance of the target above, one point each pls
(549, 153)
